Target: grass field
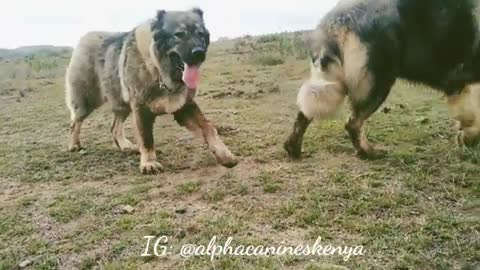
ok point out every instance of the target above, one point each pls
(416, 209)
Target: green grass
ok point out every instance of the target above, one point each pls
(188, 188)
(269, 59)
(417, 208)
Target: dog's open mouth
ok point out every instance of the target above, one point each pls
(188, 74)
(191, 76)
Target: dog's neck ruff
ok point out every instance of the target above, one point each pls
(190, 93)
(164, 88)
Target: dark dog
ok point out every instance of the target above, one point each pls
(362, 46)
(149, 71)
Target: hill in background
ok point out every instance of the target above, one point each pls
(44, 50)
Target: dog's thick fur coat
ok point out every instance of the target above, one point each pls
(362, 46)
(140, 72)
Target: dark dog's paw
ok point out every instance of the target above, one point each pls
(372, 154)
(151, 167)
(294, 151)
(75, 148)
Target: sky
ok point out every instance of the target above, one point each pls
(63, 22)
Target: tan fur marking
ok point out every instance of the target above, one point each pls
(74, 144)
(168, 104)
(217, 146)
(147, 155)
(357, 78)
(199, 124)
(356, 128)
(465, 108)
(364, 144)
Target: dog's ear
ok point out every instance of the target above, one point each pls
(159, 20)
(160, 16)
(198, 11)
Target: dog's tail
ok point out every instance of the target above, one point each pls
(324, 93)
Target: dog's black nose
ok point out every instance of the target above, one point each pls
(198, 55)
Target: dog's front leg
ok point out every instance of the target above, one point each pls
(143, 120)
(191, 117)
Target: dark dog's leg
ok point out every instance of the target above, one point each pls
(143, 119)
(293, 145)
(191, 117)
(361, 111)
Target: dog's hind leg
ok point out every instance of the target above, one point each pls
(362, 109)
(118, 132)
(369, 76)
(82, 94)
(75, 128)
(80, 108)
(191, 117)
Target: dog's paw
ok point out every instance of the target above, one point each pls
(125, 145)
(372, 154)
(466, 139)
(151, 167)
(75, 147)
(131, 148)
(293, 150)
(227, 159)
(230, 163)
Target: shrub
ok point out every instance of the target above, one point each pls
(266, 59)
(271, 50)
(268, 38)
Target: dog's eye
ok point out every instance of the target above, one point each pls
(180, 34)
(203, 34)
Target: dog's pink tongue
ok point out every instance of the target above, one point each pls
(191, 76)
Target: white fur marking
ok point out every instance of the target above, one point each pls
(320, 99)
(322, 95)
(121, 73)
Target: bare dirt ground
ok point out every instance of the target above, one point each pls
(417, 208)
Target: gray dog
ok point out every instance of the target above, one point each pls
(149, 71)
